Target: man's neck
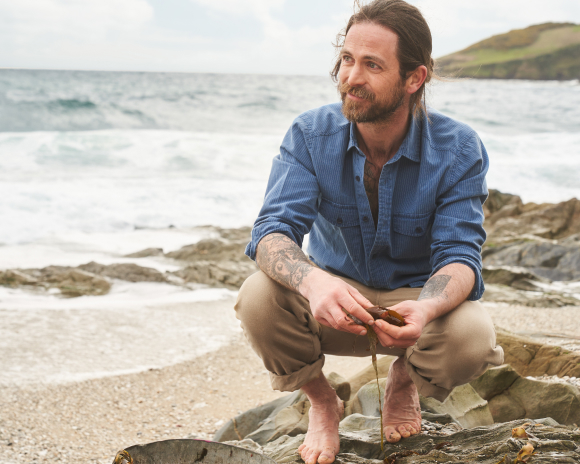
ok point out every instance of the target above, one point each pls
(380, 142)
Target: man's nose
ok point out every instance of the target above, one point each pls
(356, 76)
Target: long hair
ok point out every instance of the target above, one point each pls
(414, 40)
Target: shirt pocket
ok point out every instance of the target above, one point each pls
(412, 235)
(339, 215)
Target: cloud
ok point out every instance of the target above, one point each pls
(233, 36)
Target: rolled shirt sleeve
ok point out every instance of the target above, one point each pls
(457, 231)
(290, 203)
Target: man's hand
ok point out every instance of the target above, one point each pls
(416, 315)
(328, 295)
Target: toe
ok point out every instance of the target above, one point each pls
(412, 430)
(312, 457)
(404, 432)
(327, 456)
(392, 435)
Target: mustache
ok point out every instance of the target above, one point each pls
(360, 92)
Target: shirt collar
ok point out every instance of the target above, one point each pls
(410, 148)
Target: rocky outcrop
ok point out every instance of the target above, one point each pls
(125, 271)
(529, 245)
(70, 282)
(474, 424)
(530, 358)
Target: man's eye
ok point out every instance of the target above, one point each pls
(373, 66)
(346, 58)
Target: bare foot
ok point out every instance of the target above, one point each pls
(322, 443)
(401, 411)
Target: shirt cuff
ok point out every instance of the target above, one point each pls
(259, 232)
(478, 287)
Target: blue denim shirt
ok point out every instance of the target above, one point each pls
(430, 200)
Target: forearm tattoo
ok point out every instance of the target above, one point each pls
(283, 260)
(435, 287)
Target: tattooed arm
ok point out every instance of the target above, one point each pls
(444, 291)
(282, 259)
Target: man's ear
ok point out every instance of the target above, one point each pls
(415, 79)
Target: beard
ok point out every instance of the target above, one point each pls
(375, 110)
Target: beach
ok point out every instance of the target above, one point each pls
(125, 217)
(90, 420)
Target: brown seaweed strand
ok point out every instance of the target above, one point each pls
(373, 339)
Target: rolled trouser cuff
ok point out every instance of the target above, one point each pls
(424, 387)
(296, 380)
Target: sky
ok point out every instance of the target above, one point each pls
(229, 36)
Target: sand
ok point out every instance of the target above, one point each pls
(90, 421)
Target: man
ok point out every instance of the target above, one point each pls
(392, 198)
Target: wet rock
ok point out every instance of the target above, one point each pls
(146, 253)
(14, 278)
(367, 398)
(125, 271)
(74, 282)
(231, 274)
(464, 405)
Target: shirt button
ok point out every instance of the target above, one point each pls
(339, 221)
(365, 218)
(357, 178)
(419, 230)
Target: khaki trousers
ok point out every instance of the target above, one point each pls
(452, 350)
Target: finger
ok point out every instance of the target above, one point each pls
(346, 324)
(328, 323)
(354, 308)
(359, 298)
(407, 332)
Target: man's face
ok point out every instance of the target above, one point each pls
(370, 86)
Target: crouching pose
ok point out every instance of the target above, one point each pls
(391, 195)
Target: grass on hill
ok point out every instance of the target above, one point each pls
(519, 51)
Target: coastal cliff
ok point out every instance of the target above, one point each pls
(549, 51)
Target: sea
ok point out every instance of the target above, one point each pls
(96, 165)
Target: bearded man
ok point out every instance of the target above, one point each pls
(392, 198)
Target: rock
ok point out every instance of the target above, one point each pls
(543, 260)
(512, 276)
(552, 221)
(146, 253)
(504, 294)
(15, 278)
(340, 385)
(464, 405)
(366, 375)
(487, 444)
(284, 416)
(367, 398)
(74, 282)
(125, 271)
(211, 249)
(536, 399)
(497, 200)
(495, 381)
(530, 358)
(231, 274)
(251, 420)
(357, 422)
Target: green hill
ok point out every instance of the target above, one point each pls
(543, 51)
